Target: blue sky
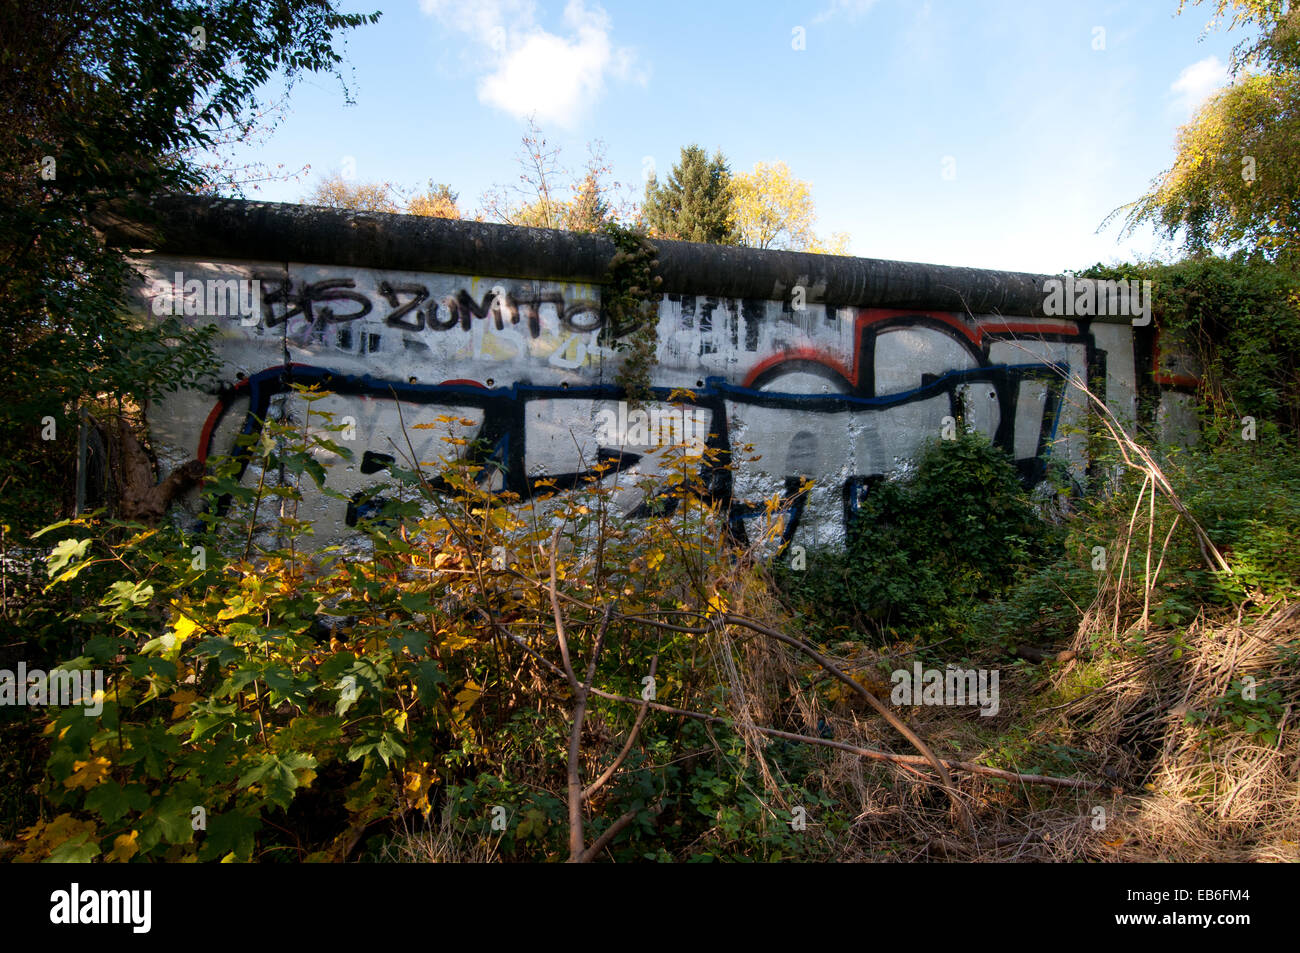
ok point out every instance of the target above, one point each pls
(961, 132)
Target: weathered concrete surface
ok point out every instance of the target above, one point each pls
(503, 328)
(213, 229)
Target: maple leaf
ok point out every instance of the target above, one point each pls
(86, 774)
(182, 700)
(124, 847)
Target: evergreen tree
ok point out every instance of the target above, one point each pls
(695, 204)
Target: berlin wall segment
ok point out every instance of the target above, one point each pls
(822, 373)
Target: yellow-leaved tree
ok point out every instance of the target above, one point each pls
(337, 192)
(773, 209)
(437, 201)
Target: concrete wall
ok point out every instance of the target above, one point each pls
(840, 388)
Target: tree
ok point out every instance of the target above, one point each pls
(216, 162)
(588, 210)
(773, 209)
(1235, 182)
(100, 105)
(337, 192)
(438, 201)
(334, 191)
(695, 204)
(542, 200)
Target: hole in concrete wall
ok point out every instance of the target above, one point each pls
(490, 382)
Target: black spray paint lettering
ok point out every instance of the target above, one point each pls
(410, 308)
(278, 290)
(500, 444)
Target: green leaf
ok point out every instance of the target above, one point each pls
(276, 774)
(125, 595)
(53, 526)
(175, 816)
(428, 676)
(111, 801)
(79, 849)
(230, 832)
(387, 747)
(66, 551)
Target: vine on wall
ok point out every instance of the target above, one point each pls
(632, 308)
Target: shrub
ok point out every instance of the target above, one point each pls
(923, 549)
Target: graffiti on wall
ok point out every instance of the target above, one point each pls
(824, 400)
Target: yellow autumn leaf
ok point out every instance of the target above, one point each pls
(718, 603)
(452, 641)
(184, 627)
(86, 774)
(467, 696)
(182, 700)
(124, 847)
(42, 838)
(28, 833)
(416, 787)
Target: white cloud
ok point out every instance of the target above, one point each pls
(1197, 82)
(531, 71)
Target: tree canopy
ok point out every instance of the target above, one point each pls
(695, 203)
(546, 196)
(773, 209)
(335, 191)
(104, 104)
(1235, 182)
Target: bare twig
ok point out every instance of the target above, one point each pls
(959, 808)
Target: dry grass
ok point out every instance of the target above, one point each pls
(442, 841)
(1214, 790)
(1174, 787)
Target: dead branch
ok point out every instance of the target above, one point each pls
(959, 808)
